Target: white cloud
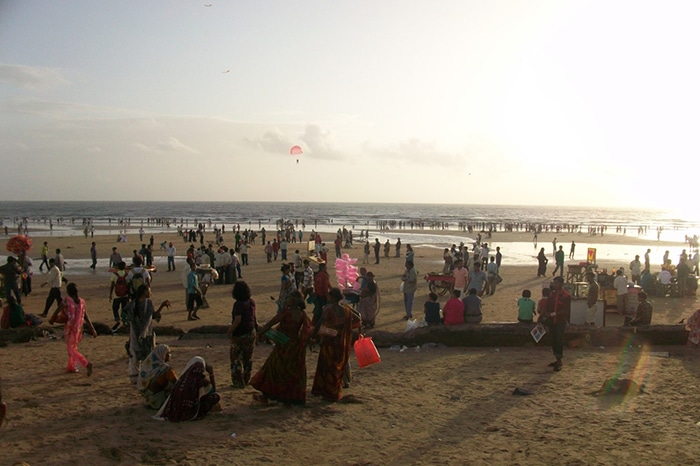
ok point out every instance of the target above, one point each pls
(173, 144)
(34, 78)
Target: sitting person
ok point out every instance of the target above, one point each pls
(526, 308)
(644, 311)
(431, 308)
(472, 307)
(156, 378)
(13, 315)
(647, 281)
(665, 277)
(193, 395)
(454, 309)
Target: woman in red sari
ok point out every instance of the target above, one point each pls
(283, 376)
(74, 308)
(335, 332)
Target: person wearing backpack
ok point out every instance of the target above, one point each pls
(138, 275)
(119, 293)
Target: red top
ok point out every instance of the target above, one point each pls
(453, 311)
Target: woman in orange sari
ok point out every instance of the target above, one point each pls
(283, 376)
(335, 332)
(74, 308)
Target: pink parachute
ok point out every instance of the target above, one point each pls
(295, 150)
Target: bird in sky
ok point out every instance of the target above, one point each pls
(207, 4)
(227, 71)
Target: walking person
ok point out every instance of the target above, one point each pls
(44, 257)
(74, 308)
(93, 255)
(54, 278)
(242, 333)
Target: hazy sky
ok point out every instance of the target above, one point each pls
(476, 102)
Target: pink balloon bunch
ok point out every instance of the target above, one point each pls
(346, 272)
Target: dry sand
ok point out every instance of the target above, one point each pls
(433, 406)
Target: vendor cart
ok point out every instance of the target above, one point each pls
(439, 283)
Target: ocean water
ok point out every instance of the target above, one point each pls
(67, 219)
(351, 215)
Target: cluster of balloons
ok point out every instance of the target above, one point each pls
(346, 271)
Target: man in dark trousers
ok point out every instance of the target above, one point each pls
(556, 317)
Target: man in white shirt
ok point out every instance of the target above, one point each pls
(54, 280)
(620, 284)
(171, 257)
(636, 270)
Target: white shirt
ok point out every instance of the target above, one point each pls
(620, 284)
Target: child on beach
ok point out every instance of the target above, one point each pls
(431, 308)
(526, 308)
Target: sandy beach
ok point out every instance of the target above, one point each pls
(435, 405)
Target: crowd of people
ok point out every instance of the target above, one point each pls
(328, 323)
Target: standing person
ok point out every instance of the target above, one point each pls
(268, 252)
(11, 274)
(322, 286)
(283, 248)
(170, 251)
(93, 255)
(243, 250)
(114, 258)
(398, 247)
(286, 287)
(409, 254)
(559, 260)
(74, 308)
(307, 282)
(366, 251)
(636, 270)
(298, 269)
(242, 333)
(26, 264)
(368, 306)
(572, 249)
(558, 308)
(447, 257)
(542, 264)
(477, 279)
(554, 246)
(387, 248)
(337, 322)
(377, 247)
(620, 284)
(283, 375)
(140, 314)
(60, 262)
(194, 293)
(337, 243)
(119, 294)
(647, 260)
(410, 283)
(275, 248)
(499, 258)
(592, 298)
(460, 275)
(44, 257)
(682, 273)
(54, 279)
(492, 275)
(137, 276)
